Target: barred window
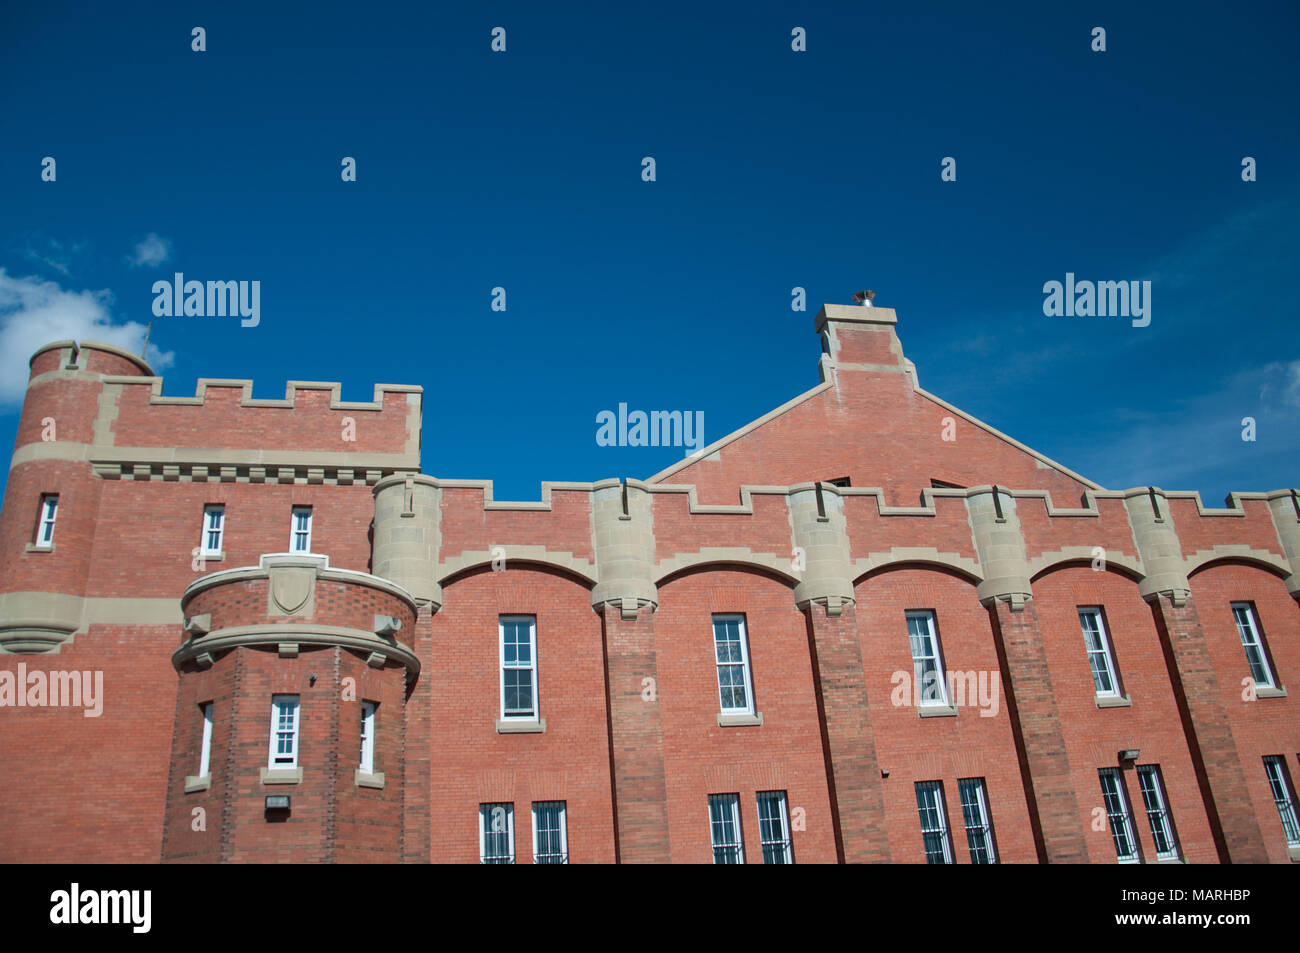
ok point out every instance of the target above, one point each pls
(934, 822)
(496, 833)
(774, 828)
(1117, 812)
(1283, 797)
(1153, 798)
(550, 833)
(979, 826)
(724, 826)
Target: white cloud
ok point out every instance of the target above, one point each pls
(151, 252)
(34, 312)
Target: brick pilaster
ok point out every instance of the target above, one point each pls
(848, 742)
(1053, 805)
(636, 738)
(1209, 735)
(417, 748)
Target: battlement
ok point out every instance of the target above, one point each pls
(105, 407)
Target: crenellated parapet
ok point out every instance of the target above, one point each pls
(623, 538)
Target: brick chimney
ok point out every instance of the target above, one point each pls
(860, 338)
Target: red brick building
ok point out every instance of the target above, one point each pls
(866, 627)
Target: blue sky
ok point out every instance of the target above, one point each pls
(775, 169)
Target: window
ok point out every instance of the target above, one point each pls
(284, 731)
(732, 656)
(1104, 679)
(214, 522)
(518, 667)
(368, 737)
(774, 828)
(1153, 798)
(1253, 643)
(550, 833)
(724, 826)
(926, 662)
(205, 752)
(1121, 821)
(1283, 797)
(300, 530)
(45, 523)
(840, 481)
(944, 485)
(975, 814)
(496, 833)
(934, 822)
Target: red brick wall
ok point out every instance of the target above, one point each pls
(471, 763)
(468, 527)
(874, 429)
(220, 421)
(701, 758)
(911, 748)
(160, 525)
(353, 605)
(1094, 736)
(91, 790)
(1266, 726)
(75, 529)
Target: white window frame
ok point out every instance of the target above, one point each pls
(551, 857)
(1102, 655)
(368, 737)
(1118, 812)
(774, 831)
(214, 522)
(935, 656)
(1152, 787)
(731, 664)
(484, 810)
(724, 820)
(205, 751)
(295, 533)
(1252, 639)
(1279, 784)
(45, 521)
(503, 666)
(976, 817)
(282, 705)
(930, 801)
